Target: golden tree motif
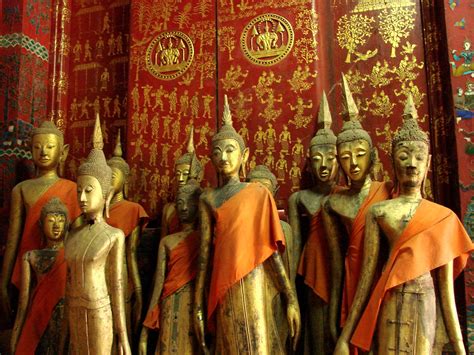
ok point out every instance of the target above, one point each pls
(226, 36)
(305, 50)
(203, 7)
(307, 22)
(353, 31)
(182, 19)
(396, 24)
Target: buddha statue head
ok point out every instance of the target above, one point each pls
(188, 166)
(354, 145)
(410, 151)
(229, 153)
(187, 200)
(47, 146)
(322, 148)
(94, 180)
(120, 168)
(263, 175)
(54, 221)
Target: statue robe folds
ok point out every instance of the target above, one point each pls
(49, 291)
(379, 191)
(127, 215)
(66, 191)
(242, 292)
(432, 238)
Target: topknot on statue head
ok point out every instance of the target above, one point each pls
(324, 135)
(227, 131)
(96, 165)
(117, 161)
(190, 158)
(48, 127)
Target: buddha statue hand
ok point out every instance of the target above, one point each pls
(142, 344)
(124, 346)
(294, 322)
(342, 347)
(199, 329)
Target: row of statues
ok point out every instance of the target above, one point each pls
(371, 265)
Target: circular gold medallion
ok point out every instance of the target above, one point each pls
(267, 39)
(169, 55)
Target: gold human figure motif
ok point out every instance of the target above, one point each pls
(270, 113)
(99, 48)
(298, 151)
(143, 121)
(244, 132)
(379, 104)
(155, 126)
(159, 94)
(356, 81)
(380, 74)
(203, 131)
(241, 112)
(270, 137)
(146, 95)
(281, 168)
(135, 97)
(117, 109)
(74, 108)
(295, 176)
(111, 44)
(138, 148)
(269, 160)
(176, 131)
(413, 90)
(164, 155)
(173, 99)
(299, 81)
(119, 43)
(153, 153)
(285, 140)
(77, 51)
(258, 139)
(233, 76)
(207, 105)
(87, 51)
(406, 70)
(166, 127)
(84, 111)
(106, 105)
(106, 23)
(194, 105)
(299, 119)
(96, 106)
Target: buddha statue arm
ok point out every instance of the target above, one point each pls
(22, 302)
(132, 245)
(333, 235)
(156, 295)
(294, 219)
(448, 306)
(17, 215)
(369, 265)
(201, 277)
(117, 295)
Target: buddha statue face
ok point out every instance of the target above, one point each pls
(54, 226)
(227, 157)
(187, 207)
(89, 195)
(46, 150)
(323, 162)
(182, 172)
(355, 159)
(118, 180)
(411, 161)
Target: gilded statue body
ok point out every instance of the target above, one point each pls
(28, 197)
(427, 245)
(94, 254)
(38, 321)
(247, 270)
(171, 304)
(312, 262)
(344, 214)
(131, 218)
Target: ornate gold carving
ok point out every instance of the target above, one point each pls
(396, 24)
(226, 36)
(299, 81)
(169, 55)
(372, 5)
(300, 120)
(267, 39)
(414, 90)
(406, 69)
(379, 75)
(381, 105)
(356, 81)
(306, 50)
(232, 76)
(353, 31)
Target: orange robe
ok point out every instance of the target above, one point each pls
(432, 238)
(66, 191)
(181, 269)
(49, 291)
(247, 232)
(379, 191)
(127, 215)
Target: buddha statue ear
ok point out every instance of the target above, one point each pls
(62, 159)
(107, 202)
(243, 167)
(423, 184)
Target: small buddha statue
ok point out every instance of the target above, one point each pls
(131, 218)
(171, 304)
(38, 321)
(427, 247)
(186, 167)
(241, 229)
(344, 212)
(94, 254)
(305, 206)
(28, 198)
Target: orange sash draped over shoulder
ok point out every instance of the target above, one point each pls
(314, 263)
(379, 191)
(50, 290)
(181, 269)
(432, 238)
(66, 191)
(127, 215)
(247, 232)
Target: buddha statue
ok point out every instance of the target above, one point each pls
(131, 218)
(28, 198)
(94, 255)
(171, 304)
(344, 212)
(304, 209)
(186, 167)
(241, 229)
(40, 312)
(427, 247)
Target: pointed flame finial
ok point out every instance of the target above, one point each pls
(410, 109)
(226, 117)
(118, 146)
(97, 140)
(324, 114)
(352, 111)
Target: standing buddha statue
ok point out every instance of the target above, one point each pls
(94, 254)
(313, 263)
(241, 229)
(131, 218)
(28, 198)
(171, 304)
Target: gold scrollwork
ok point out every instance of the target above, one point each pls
(267, 39)
(169, 55)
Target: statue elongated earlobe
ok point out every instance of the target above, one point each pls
(107, 202)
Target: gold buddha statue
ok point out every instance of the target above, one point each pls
(94, 254)
(344, 212)
(171, 304)
(304, 209)
(186, 167)
(28, 198)
(427, 246)
(131, 218)
(241, 229)
(38, 321)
